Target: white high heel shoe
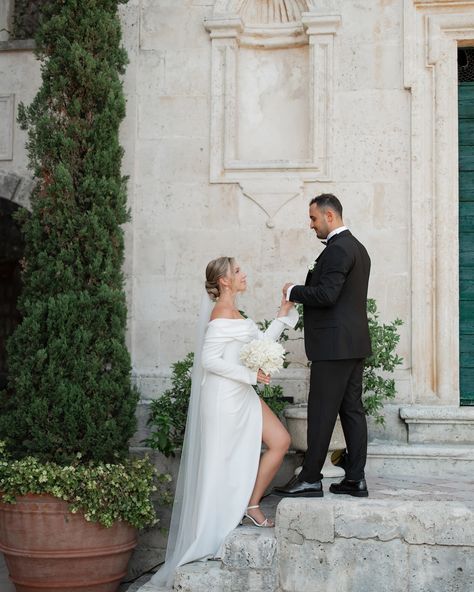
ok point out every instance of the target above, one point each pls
(265, 524)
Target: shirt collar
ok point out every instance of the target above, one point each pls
(335, 231)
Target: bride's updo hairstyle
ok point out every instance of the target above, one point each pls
(216, 269)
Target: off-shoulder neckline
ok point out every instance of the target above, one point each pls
(226, 319)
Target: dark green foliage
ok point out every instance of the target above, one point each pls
(168, 413)
(104, 492)
(377, 388)
(69, 368)
(26, 17)
(272, 394)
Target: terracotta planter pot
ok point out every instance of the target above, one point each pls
(297, 423)
(49, 549)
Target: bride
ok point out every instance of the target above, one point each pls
(221, 476)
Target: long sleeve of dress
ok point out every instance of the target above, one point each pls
(277, 326)
(213, 361)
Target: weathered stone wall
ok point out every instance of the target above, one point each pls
(181, 220)
(418, 545)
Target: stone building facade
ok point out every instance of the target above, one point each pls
(239, 112)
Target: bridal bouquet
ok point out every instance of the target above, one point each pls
(263, 354)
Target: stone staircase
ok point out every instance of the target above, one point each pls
(426, 441)
(415, 533)
(410, 535)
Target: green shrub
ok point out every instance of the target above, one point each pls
(377, 387)
(69, 408)
(168, 413)
(69, 369)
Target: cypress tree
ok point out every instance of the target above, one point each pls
(69, 394)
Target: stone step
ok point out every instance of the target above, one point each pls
(248, 563)
(417, 534)
(434, 424)
(390, 539)
(423, 460)
(201, 577)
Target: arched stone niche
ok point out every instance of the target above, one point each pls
(16, 188)
(14, 194)
(272, 97)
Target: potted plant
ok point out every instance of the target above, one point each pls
(69, 408)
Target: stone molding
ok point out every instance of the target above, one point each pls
(430, 424)
(7, 114)
(437, 414)
(226, 34)
(432, 32)
(275, 11)
(18, 45)
(270, 184)
(294, 7)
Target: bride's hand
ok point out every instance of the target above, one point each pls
(262, 377)
(285, 307)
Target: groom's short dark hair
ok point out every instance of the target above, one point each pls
(327, 201)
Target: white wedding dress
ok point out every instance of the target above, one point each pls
(228, 436)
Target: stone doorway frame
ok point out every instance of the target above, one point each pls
(433, 30)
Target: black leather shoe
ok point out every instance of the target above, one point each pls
(297, 488)
(350, 487)
(339, 458)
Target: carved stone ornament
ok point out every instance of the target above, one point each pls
(271, 97)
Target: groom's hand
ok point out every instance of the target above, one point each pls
(286, 286)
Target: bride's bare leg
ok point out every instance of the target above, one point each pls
(277, 440)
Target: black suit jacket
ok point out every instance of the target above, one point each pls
(334, 300)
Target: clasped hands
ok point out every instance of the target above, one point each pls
(285, 306)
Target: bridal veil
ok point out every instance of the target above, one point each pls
(184, 518)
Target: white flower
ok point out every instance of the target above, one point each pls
(311, 267)
(263, 354)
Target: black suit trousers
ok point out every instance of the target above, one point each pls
(335, 388)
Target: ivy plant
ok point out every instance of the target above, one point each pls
(103, 492)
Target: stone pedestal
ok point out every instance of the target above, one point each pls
(297, 423)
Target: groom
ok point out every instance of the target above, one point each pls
(336, 335)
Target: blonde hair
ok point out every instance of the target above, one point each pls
(216, 269)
